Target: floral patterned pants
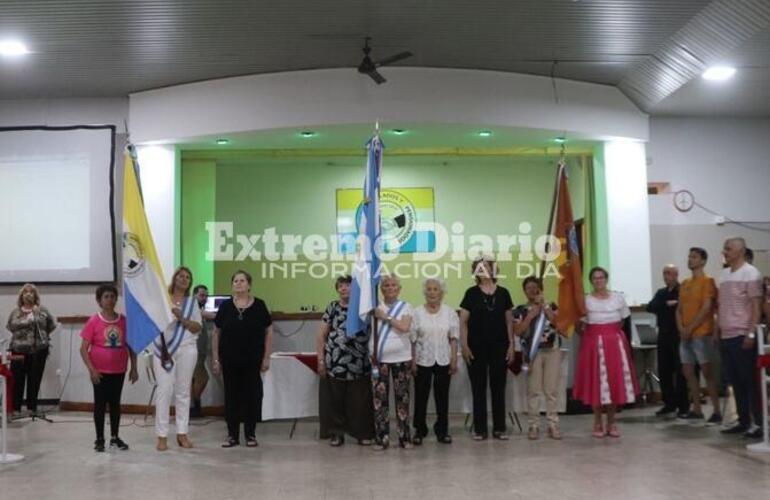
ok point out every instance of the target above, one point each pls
(400, 373)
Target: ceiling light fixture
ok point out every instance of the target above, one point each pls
(223, 142)
(718, 73)
(485, 133)
(12, 48)
(398, 131)
(560, 140)
(306, 134)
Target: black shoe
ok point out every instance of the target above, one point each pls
(736, 429)
(445, 439)
(693, 417)
(337, 440)
(501, 436)
(251, 442)
(118, 443)
(230, 442)
(99, 446)
(755, 433)
(665, 411)
(417, 440)
(715, 419)
(196, 412)
(682, 415)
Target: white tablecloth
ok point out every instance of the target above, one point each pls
(291, 390)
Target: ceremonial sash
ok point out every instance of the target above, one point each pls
(386, 327)
(172, 345)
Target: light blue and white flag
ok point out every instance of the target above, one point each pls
(366, 270)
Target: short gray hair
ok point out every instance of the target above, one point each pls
(391, 277)
(738, 239)
(441, 284)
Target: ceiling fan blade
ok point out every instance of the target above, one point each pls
(392, 59)
(376, 76)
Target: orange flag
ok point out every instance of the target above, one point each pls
(571, 296)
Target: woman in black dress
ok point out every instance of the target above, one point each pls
(241, 349)
(486, 335)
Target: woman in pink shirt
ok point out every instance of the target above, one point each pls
(106, 354)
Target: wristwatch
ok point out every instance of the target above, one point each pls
(752, 335)
(389, 318)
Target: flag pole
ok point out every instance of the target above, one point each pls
(551, 217)
(376, 295)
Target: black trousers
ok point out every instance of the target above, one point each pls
(673, 386)
(488, 364)
(107, 392)
(243, 397)
(439, 376)
(345, 406)
(740, 367)
(28, 372)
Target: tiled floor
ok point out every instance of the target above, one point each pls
(653, 460)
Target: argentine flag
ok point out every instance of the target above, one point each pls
(148, 307)
(366, 270)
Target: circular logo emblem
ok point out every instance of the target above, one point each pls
(133, 257)
(398, 218)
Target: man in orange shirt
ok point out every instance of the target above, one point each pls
(695, 320)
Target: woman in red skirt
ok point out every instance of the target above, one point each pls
(605, 376)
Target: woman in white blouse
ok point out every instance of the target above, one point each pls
(605, 375)
(176, 352)
(393, 358)
(435, 333)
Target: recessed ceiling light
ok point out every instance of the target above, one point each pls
(398, 131)
(560, 140)
(223, 142)
(307, 133)
(11, 48)
(718, 73)
(485, 133)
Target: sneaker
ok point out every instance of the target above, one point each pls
(693, 417)
(715, 419)
(99, 446)
(755, 432)
(736, 429)
(118, 443)
(682, 415)
(665, 412)
(534, 432)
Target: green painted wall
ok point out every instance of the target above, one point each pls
(488, 195)
(197, 205)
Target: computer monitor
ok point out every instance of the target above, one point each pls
(212, 303)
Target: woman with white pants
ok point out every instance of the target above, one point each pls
(176, 353)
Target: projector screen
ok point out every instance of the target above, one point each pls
(56, 204)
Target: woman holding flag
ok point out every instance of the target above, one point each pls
(605, 376)
(395, 358)
(176, 353)
(545, 368)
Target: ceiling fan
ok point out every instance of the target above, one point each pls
(369, 67)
